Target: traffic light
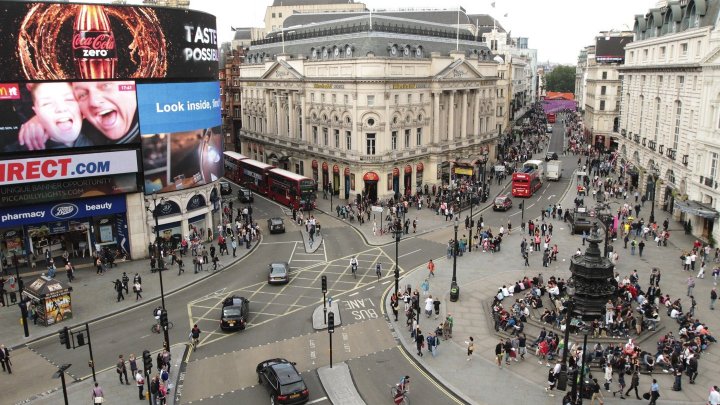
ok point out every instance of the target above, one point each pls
(331, 322)
(147, 361)
(80, 339)
(323, 282)
(65, 337)
(163, 318)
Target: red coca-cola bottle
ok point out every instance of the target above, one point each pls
(93, 44)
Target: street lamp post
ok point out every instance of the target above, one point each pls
(156, 215)
(331, 195)
(397, 233)
(579, 373)
(655, 176)
(454, 289)
(562, 380)
(470, 241)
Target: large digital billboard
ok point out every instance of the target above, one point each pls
(181, 138)
(61, 41)
(60, 115)
(611, 49)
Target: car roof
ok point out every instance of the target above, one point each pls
(286, 373)
(234, 300)
(276, 219)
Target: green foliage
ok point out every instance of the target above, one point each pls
(561, 79)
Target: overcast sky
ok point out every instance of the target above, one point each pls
(558, 29)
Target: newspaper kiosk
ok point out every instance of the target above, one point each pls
(51, 299)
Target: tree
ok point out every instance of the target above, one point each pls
(561, 79)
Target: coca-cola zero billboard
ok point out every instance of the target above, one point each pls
(62, 41)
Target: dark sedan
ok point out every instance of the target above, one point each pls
(283, 382)
(235, 311)
(276, 225)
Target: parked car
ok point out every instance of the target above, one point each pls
(279, 273)
(235, 312)
(245, 195)
(276, 225)
(549, 128)
(225, 188)
(283, 382)
(502, 203)
(551, 156)
(580, 220)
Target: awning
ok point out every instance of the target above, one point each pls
(696, 208)
(466, 162)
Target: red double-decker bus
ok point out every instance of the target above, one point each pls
(291, 189)
(551, 118)
(254, 175)
(526, 182)
(232, 165)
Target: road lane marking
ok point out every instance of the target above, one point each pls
(315, 401)
(409, 253)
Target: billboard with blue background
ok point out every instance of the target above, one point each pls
(181, 139)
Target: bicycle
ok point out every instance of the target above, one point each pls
(157, 328)
(399, 397)
(194, 342)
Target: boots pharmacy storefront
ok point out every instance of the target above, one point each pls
(79, 227)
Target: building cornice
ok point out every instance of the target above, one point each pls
(688, 67)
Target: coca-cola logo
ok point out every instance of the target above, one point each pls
(94, 44)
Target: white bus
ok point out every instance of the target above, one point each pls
(535, 164)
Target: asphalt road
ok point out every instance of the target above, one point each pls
(284, 312)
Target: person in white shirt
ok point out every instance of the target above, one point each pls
(428, 306)
(714, 397)
(505, 291)
(674, 314)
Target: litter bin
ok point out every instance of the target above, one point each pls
(454, 292)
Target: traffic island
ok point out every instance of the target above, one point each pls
(319, 319)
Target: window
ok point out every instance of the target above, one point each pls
(603, 90)
(698, 48)
(683, 49)
(660, 80)
(273, 15)
(345, 99)
(348, 140)
(312, 97)
(315, 135)
(617, 106)
(370, 144)
(657, 118)
(602, 105)
(279, 15)
(680, 81)
(418, 137)
(695, 80)
(337, 138)
(678, 114)
(334, 98)
(642, 81)
(645, 54)
(632, 55)
(393, 140)
(370, 100)
(397, 99)
(325, 137)
(662, 52)
(422, 98)
(236, 97)
(409, 98)
(322, 98)
(236, 112)
(407, 138)
(604, 75)
(713, 165)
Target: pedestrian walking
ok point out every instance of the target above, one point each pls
(551, 382)
(121, 370)
(419, 341)
(125, 282)
(140, 381)
(621, 385)
(132, 361)
(5, 359)
(634, 384)
(470, 347)
(97, 394)
(436, 305)
(234, 245)
(428, 306)
(596, 393)
(378, 270)
(137, 288)
(431, 268)
(713, 298)
(394, 305)
(654, 392)
(690, 285)
(499, 352)
(425, 287)
(119, 289)
(70, 271)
